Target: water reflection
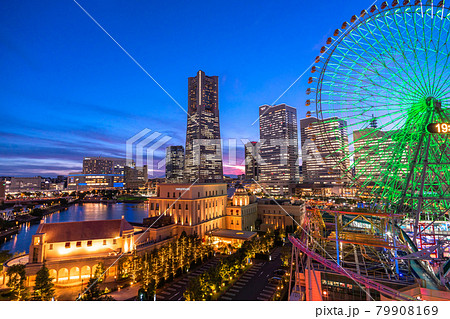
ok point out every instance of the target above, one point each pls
(79, 212)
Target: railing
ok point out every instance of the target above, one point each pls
(354, 276)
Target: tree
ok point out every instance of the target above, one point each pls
(194, 290)
(43, 288)
(93, 292)
(17, 276)
(124, 267)
(4, 256)
(147, 292)
(99, 272)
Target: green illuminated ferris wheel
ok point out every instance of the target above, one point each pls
(382, 78)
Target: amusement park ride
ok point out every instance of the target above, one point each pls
(385, 75)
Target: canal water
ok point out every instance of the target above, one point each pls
(79, 212)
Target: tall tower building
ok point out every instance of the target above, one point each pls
(174, 164)
(324, 150)
(251, 160)
(203, 159)
(279, 147)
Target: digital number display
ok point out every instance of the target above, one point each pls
(439, 128)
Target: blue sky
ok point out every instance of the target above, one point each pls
(68, 91)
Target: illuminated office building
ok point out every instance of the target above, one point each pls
(373, 150)
(174, 164)
(135, 177)
(324, 150)
(279, 148)
(251, 160)
(203, 158)
(103, 165)
(83, 182)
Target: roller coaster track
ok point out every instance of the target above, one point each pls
(356, 277)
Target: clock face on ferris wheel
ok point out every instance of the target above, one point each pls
(439, 128)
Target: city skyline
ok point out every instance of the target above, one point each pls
(323, 179)
(80, 95)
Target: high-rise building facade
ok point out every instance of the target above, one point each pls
(279, 147)
(373, 151)
(252, 160)
(203, 157)
(135, 177)
(174, 164)
(324, 150)
(103, 165)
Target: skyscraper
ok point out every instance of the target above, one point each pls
(203, 158)
(251, 160)
(279, 147)
(324, 150)
(174, 164)
(373, 151)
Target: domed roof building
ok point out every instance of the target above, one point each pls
(241, 211)
(240, 197)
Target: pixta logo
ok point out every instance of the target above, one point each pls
(147, 144)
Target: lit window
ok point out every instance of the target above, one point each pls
(67, 245)
(114, 241)
(89, 243)
(104, 242)
(51, 247)
(78, 243)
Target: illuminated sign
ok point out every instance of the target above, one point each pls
(438, 128)
(181, 189)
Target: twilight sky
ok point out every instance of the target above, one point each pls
(68, 91)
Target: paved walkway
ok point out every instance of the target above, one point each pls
(243, 281)
(254, 285)
(128, 293)
(174, 291)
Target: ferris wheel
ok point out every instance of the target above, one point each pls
(379, 82)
